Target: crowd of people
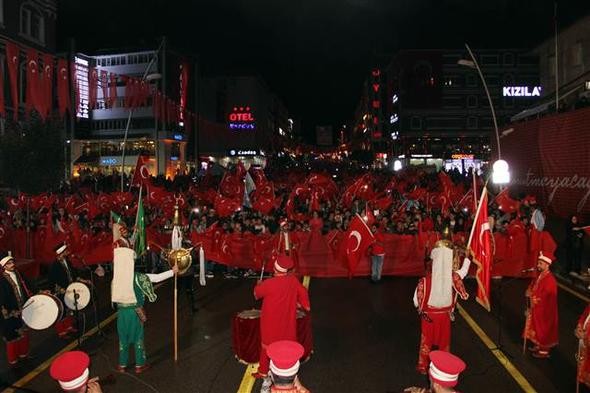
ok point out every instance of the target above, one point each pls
(406, 203)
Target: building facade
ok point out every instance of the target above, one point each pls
(433, 110)
(241, 119)
(29, 24)
(572, 69)
(100, 127)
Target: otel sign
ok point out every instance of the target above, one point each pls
(241, 118)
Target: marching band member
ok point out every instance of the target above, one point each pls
(443, 373)
(284, 366)
(280, 296)
(435, 298)
(14, 292)
(129, 290)
(71, 371)
(61, 275)
(542, 326)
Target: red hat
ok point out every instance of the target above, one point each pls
(445, 368)
(70, 370)
(284, 357)
(283, 263)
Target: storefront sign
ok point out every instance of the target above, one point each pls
(241, 118)
(110, 160)
(521, 91)
(462, 156)
(234, 153)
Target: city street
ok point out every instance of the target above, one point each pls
(365, 340)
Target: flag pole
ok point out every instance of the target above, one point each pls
(175, 317)
(483, 193)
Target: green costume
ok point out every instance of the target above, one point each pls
(130, 321)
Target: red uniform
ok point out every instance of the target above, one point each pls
(584, 349)
(541, 326)
(435, 322)
(278, 320)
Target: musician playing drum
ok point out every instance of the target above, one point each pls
(14, 292)
(62, 274)
(281, 295)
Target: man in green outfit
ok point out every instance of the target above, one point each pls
(129, 290)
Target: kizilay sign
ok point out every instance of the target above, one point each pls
(521, 91)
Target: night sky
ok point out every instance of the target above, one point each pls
(314, 54)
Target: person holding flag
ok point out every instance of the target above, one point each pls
(435, 298)
(129, 290)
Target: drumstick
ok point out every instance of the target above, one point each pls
(262, 271)
(28, 304)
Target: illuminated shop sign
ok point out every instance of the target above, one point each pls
(108, 161)
(236, 152)
(178, 137)
(521, 91)
(81, 75)
(241, 118)
(462, 156)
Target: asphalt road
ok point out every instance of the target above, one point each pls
(365, 340)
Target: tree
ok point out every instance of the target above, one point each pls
(32, 155)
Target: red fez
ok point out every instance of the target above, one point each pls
(284, 263)
(445, 368)
(284, 357)
(70, 370)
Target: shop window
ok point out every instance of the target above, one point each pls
(471, 101)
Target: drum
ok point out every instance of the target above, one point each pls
(42, 311)
(79, 291)
(246, 335)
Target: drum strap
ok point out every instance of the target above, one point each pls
(18, 286)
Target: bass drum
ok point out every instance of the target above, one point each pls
(42, 311)
(246, 335)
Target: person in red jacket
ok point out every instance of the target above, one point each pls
(541, 326)
(377, 252)
(281, 295)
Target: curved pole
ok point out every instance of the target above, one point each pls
(143, 78)
(489, 99)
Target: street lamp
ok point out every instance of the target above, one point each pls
(502, 176)
(145, 77)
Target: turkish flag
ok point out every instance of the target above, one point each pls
(12, 56)
(231, 186)
(92, 87)
(47, 83)
(263, 198)
(225, 207)
(104, 85)
(505, 203)
(356, 242)
(63, 87)
(112, 90)
(142, 173)
(480, 248)
(34, 91)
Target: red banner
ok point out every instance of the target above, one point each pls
(548, 157)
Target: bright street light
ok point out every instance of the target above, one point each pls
(501, 173)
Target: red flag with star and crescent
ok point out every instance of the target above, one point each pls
(356, 242)
(142, 172)
(479, 247)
